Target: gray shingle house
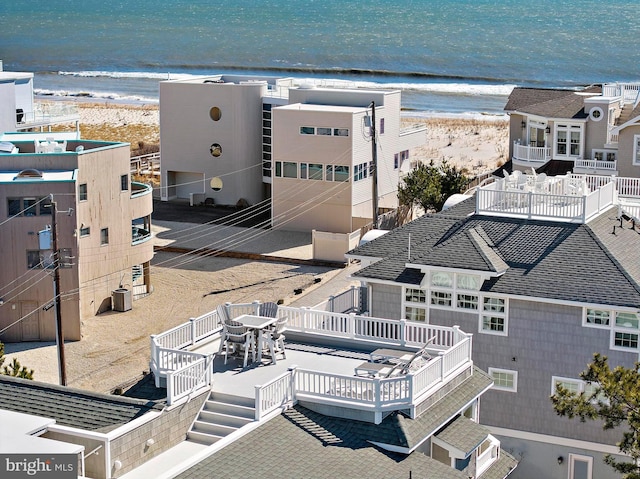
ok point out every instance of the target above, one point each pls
(593, 130)
(541, 294)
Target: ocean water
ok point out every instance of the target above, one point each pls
(448, 56)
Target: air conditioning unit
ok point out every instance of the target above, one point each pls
(121, 299)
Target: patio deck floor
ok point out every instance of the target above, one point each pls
(233, 379)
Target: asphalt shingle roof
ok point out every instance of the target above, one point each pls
(464, 434)
(70, 407)
(545, 259)
(549, 103)
(304, 443)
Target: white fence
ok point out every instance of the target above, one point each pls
(528, 204)
(187, 371)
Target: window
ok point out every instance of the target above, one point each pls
(413, 313)
(625, 333)
(414, 295)
(504, 379)
(467, 301)
(104, 236)
(315, 171)
(307, 130)
(303, 171)
(568, 140)
(216, 150)
(289, 169)
(597, 317)
(580, 467)
(604, 155)
(324, 131)
(279, 169)
(82, 192)
(42, 258)
(28, 206)
(596, 113)
(340, 173)
(440, 298)
(340, 132)
(396, 162)
(441, 279)
(329, 172)
(493, 318)
(636, 150)
(214, 113)
(382, 126)
(578, 386)
(124, 183)
(468, 281)
(86, 231)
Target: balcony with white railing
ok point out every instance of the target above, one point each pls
(595, 166)
(572, 198)
(535, 156)
(323, 349)
(47, 113)
(629, 92)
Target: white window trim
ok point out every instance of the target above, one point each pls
(568, 128)
(488, 331)
(514, 389)
(596, 326)
(572, 461)
(636, 149)
(596, 109)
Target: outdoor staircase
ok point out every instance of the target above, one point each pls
(625, 114)
(221, 415)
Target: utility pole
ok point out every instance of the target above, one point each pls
(374, 167)
(56, 295)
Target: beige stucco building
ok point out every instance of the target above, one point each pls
(306, 151)
(103, 233)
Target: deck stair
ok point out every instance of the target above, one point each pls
(625, 114)
(221, 415)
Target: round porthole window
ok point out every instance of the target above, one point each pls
(216, 184)
(596, 114)
(215, 150)
(215, 113)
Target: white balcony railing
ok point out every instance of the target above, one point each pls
(531, 154)
(451, 347)
(607, 166)
(48, 113)
(628, 91)
(573, 198)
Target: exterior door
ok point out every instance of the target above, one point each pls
(580, 467)
(31, 323)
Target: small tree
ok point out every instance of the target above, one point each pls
(613, 398)
(15, 368)
(429, 186)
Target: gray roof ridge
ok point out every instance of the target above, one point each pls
(485, 247)
(612, 258)
(81, 392)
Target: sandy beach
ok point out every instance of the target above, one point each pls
(479, 144)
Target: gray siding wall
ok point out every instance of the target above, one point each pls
(544, 340)
(167, 430)
(540, 460)
(386, 301)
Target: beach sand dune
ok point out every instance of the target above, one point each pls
(479, 145)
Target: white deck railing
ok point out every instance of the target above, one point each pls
(567, 198)
(531, 154)
(183, 369)
(596, 164)
(190, 377)
(628, 91)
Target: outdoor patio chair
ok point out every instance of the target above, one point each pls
(237, 336)
(223, 314)
(274, 339)
(268, 310)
